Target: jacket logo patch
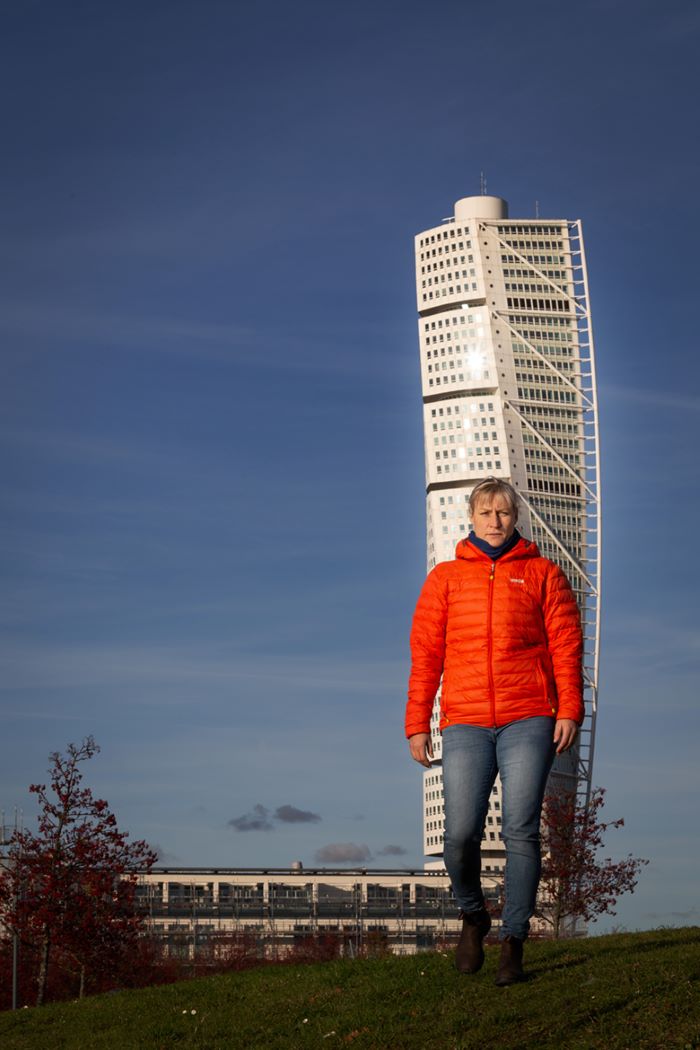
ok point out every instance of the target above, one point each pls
(514, 579)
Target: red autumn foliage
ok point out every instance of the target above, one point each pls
(576, 883)
(68, 892)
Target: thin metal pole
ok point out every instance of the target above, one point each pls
(15, 968)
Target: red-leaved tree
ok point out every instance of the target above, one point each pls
(576, 883)
(68, 892)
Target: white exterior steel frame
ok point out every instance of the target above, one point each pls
(509, 390)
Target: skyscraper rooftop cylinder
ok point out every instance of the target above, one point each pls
(481, 207)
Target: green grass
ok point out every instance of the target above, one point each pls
(636, 991)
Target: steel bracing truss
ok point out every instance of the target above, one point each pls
(582, 561)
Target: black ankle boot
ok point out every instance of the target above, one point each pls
(510, 967)
(470, 953)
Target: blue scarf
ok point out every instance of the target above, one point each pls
(494, 552)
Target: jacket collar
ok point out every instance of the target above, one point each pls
(522, 549)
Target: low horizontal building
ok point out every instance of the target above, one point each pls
(404, 911)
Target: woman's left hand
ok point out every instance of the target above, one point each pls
(565, 731)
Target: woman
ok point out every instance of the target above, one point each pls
(501, 627)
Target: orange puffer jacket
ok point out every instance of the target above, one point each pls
(505, 636)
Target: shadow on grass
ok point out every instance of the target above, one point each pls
(636, 946)
(538, 969)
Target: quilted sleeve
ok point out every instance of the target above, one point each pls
(562, 623)
(427, 652)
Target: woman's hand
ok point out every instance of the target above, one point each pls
(421, 748)
(565, 732)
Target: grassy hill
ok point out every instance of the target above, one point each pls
(636, 991)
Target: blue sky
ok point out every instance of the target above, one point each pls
(212, 461)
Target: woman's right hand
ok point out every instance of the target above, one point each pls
(421, 748)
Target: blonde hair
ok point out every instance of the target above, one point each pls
(490, 487)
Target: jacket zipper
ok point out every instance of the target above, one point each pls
(489, 637)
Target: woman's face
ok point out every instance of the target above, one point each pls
(493, 520)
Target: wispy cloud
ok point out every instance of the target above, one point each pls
(257, 820)
(39, 665)
(226, 342)
(672, 399)
(55, 323)
(679, 25)
(647, 648)
(260, 818)
(343, 853)
(391, 851)
(90, 449)
(164, 857)
(680, 779)
(688, 917)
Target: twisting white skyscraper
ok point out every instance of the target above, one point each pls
(508, 383)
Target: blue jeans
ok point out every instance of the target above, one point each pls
(522, 752)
